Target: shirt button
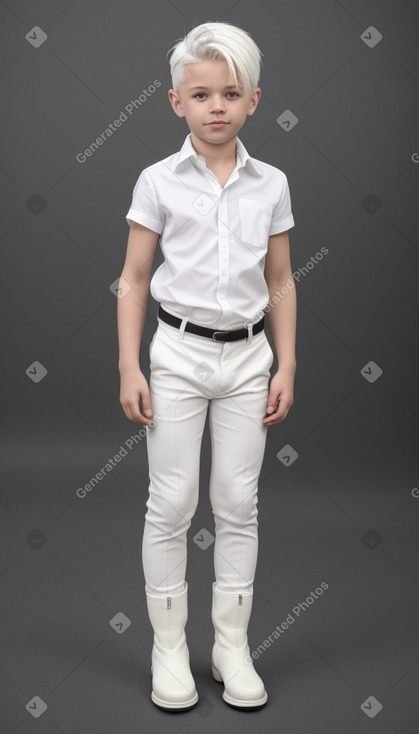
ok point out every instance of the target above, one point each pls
(224, 273)
(222, 234)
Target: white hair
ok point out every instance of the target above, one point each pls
(218, 41)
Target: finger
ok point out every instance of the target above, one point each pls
(136, 415)
(279, 415)
(274, 417)
(145, 403)
(271, 404)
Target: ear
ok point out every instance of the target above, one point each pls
(174, 100)
(254, 101)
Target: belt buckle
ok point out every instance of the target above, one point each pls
(216, 332)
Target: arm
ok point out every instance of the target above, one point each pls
(131, 312)
(282, 318)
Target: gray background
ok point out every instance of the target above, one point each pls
(345, 512)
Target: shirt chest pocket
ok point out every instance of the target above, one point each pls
(255, 221)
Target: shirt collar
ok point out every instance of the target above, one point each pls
(187, 151)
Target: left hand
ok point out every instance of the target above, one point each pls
(280, 397)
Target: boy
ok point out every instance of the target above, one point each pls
(223, 218)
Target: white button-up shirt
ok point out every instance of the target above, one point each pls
(214, 239)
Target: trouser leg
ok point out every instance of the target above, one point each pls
(238, 443)
(173, 447)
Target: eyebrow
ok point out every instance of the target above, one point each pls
(201, 86)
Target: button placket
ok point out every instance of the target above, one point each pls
(223, 260)
(223, 240)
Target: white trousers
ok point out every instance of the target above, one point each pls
(191, 375)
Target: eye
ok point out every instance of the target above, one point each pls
(199, 94)
(237, 95)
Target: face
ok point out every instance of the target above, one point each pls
(208, 94)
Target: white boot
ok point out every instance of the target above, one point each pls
(231, 660)
(172, 681)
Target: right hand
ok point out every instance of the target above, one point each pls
(134, 394)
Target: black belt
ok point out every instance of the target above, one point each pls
(226, 336)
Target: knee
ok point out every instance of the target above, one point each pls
(236, 508)
(173, 511)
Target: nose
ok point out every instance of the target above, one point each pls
(217, 102)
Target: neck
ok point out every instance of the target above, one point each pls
(216, 154)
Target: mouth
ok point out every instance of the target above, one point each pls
(217, 123)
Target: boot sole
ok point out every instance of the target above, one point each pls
(236, 702)
(178, 706)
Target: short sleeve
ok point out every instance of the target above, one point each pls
(282, 218)
(144, 208)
